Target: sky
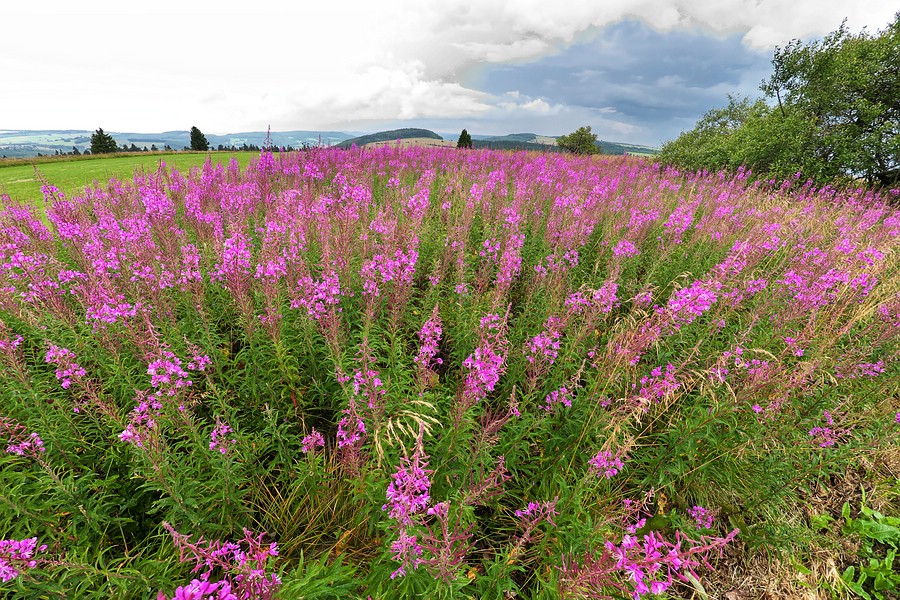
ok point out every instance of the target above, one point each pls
(638, 71)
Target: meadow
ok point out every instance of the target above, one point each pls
(21, 178)
(427, 372)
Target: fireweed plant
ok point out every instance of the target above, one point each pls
(382, 373)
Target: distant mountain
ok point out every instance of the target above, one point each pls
(25, 143)
(619, 148)
(533, 141)
(506, 144)
(389, 136)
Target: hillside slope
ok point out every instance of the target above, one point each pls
(386, 136)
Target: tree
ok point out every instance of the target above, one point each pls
(833, 115)
(465, 140)
(198, 140)
(749, 133)
(580, 141)
(102, 143)
(76, 151)
(848, 86)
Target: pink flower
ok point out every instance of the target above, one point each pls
(606, 464)
(702, 516)
(313, 440)
(219, 437)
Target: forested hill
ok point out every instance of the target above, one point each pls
(387, 136)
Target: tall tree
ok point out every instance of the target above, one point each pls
(102, 143)
(198, 140)
(848, 87)
(834, 114)
(580, 141)
(465, 140)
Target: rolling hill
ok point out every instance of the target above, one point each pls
(388, 136)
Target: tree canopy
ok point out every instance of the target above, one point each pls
(102, 143)
(465, 140)
(833, 113)
(580, 141)
(198, 140)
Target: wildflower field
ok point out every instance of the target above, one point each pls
(397, 373)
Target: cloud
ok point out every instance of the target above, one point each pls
(658, 82)
(312, 65)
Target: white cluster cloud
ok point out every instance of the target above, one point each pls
(170, 64)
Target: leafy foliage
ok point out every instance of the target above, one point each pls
(877, 577)
(835, 117)
(580, 141)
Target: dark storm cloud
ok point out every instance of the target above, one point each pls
(660, 82)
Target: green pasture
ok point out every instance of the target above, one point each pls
(21, 181)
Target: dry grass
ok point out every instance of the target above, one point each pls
(756, 574)
(311, 518)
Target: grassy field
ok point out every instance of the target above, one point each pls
(19, 179)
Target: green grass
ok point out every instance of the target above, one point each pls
(71, 175)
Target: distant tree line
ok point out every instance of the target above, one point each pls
(103, 143)
(831, 113)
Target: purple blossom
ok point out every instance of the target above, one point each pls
(429, 338)
(368, 386)
(702, 516)
(17, 556)
(68, 370)
(203, 590)
(827, 435)
(407, 551)
(485, 366)
(536, 512)
(348, 438)
(219, 437)
(235, 262)
(142, 420)
(241, 566)
(605, 463)
(870, 370)
(658, 385)
(199, 362)
(487, 363)
(408, 492)
(792, 345)
(688, 303)
(312, 441)
(626, 249)
(544, 347)
(21, 443)
(32, 446)
(530, 517)
(318, 298)
(167, 375)
(558, 396)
